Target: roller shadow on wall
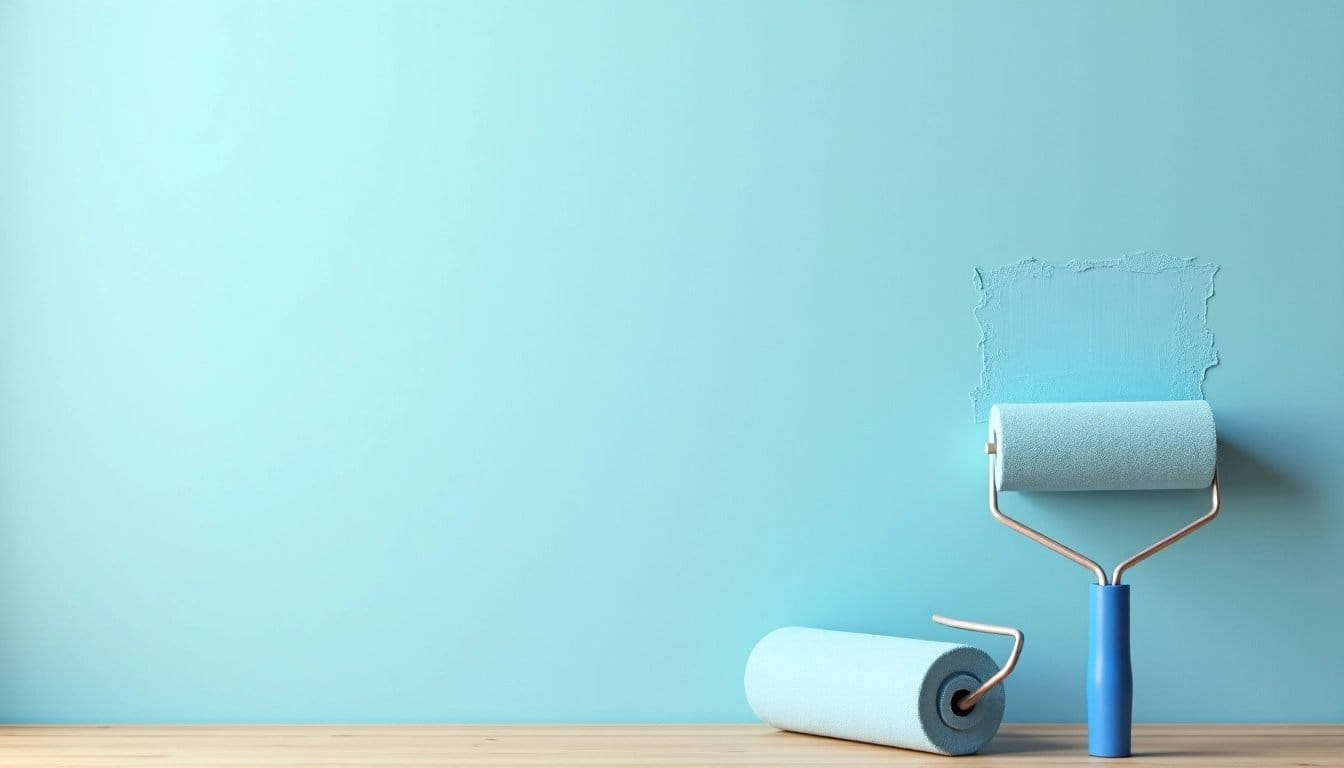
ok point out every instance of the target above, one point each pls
(1256, 475)
(1271, 505)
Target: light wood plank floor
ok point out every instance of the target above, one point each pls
(309, 746)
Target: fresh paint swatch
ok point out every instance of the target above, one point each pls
(1132, 328)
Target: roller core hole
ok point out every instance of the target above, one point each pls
(957, 698)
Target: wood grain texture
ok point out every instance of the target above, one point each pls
(631, 745)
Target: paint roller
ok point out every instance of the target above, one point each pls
(1093, 447)
(901, 692)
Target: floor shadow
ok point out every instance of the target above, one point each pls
(1187, 753)
(1009, 744)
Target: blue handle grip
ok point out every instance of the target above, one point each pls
(1110, 679)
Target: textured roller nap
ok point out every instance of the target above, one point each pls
(885, 690)
(1103, 446)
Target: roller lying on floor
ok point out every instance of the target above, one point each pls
(917, 694)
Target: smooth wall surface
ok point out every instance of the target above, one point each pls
(528, 362)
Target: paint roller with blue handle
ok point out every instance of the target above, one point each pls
(1104, 447)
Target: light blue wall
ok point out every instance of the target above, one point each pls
(511, 362)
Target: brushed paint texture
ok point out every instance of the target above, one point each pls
(1130, 328)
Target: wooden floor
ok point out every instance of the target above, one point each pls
(632, 745)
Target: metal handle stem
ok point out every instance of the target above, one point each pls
(970, 700)
(1032, 533)
(1172, 539)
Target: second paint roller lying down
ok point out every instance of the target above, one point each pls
(917, 694)
(903, 692)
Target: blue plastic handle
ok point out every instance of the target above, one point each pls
(1110, 679)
